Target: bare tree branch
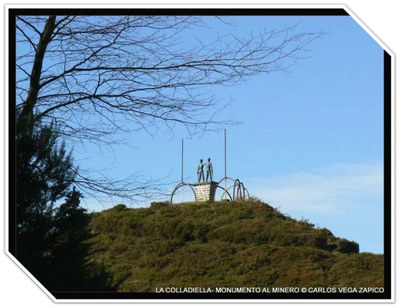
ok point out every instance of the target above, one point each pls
(93, 74)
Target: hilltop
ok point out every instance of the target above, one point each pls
(216, 244)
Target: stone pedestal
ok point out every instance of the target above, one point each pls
(205, 191)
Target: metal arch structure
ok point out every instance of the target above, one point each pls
(182, 184)
(239, 191)
(236, 191)
(226, 192)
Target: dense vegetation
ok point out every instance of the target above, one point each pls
(223, 244)
(51, 241)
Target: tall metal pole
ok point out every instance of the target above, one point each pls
(182, 172)
(225, 155)
(182, 162)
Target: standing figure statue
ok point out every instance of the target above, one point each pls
(200, 171)
(210, 170)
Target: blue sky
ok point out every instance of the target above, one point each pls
(309, 142)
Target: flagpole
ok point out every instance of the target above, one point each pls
(182, 171)
(225, 156)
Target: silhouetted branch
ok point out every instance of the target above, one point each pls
(100, 76)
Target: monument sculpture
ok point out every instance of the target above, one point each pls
(209, 170)
(205, 189)
(200, 171)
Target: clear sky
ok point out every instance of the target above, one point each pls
(309, 142)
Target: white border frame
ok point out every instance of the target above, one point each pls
(211, 6)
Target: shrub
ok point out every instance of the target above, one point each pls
(346, 246)
(159, 205)
(119, 208)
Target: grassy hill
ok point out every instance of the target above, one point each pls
(225, 244)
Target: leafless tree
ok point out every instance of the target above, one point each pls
(98, 76)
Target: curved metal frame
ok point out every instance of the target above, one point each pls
(228, 178)
(239, 191)
(181, 184)
(225, 192)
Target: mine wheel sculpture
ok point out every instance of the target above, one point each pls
(239, 191)
(235, 191)
(181, 185)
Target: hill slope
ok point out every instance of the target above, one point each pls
(223, 244)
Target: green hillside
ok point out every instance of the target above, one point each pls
(225, 244)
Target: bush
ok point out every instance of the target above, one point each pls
(346, 246)
(119, 208)
(159, 205)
